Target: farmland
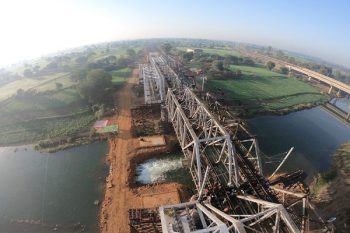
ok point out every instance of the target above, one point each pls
(261, 90)
(47, 104)
(119, 76)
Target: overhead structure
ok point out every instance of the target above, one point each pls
(205, 218)
(153, 81)
(203, 140)
(224, 161)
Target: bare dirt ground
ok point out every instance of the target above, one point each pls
(121, 193)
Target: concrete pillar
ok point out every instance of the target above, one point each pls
(309, 78)
(330, 90)
(338, 93)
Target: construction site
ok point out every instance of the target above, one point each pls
(231, 192)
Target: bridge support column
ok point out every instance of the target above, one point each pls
(309, 78)
(338, 93)
(330, 90)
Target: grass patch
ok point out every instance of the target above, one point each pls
(11, 88)
(48, 104)
(265, 90)
(34, 130)
(321, 180)
(120, 76)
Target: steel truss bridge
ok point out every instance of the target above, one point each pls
(224, 161)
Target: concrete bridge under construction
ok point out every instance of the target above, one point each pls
(233, 194)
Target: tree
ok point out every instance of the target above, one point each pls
(248, 61)
(238, 73)
(112, 59)
(27, 73)
(78, 74)
(20, 92)
(81, 60)
(167, 47)
(219, 65)
(59, 86)
(188, 56)
(270, 65)
(96, 87)
(131, 52)
(284, 70)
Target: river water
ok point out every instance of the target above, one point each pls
(314, 133)
(342, 103)
(40, 190)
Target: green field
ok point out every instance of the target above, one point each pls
(261, 90)
(34, 130)
(221, 52)
(43, 82)
(120, 76)
(118, 52)
(49, 105)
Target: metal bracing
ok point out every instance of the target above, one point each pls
(196, 217)
(153, 81)
(302, 210)
(200, 134)
(190, 217)
(233, 125)
(209, 145)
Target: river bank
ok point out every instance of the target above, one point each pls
(331, 190)
(253, 112)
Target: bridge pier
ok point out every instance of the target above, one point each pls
(338, 93)
(330, 90)
(309, 78)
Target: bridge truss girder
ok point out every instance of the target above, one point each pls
(196, 217)
(198, 131)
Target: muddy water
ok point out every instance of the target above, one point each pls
(314, 133)
(41, 192)
(165, 168)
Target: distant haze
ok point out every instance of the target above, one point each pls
(33, 28)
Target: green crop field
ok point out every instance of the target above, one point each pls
(40, 129)
(51, 84)
(11, 88)
(120, 76)
(118, 52)
(265, 90)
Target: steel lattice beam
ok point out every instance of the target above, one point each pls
(198, 131)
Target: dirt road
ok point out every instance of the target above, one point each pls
(119, 195)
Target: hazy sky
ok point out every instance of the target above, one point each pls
(30, 28)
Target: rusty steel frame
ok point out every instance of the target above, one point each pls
(198, 130)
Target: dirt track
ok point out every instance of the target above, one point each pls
(120, 196)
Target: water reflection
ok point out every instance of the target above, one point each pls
(45, 190)
(314, 133)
